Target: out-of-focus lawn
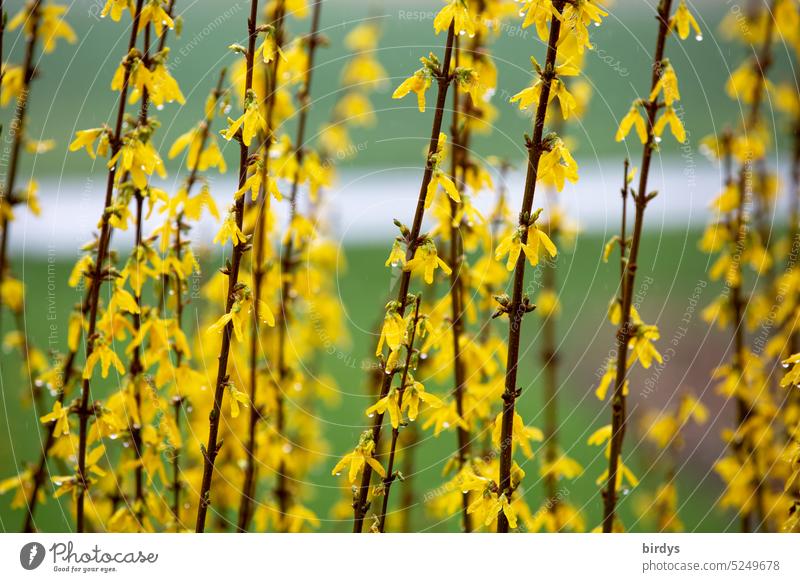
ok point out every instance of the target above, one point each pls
(672, 288)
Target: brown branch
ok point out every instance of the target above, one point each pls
(135, 367)
(212, 449)
(177, 401)
(519, 306)
(390, 475)
(625, 331)
(282, 492)
(259, 231)
(98, 274)
(761, 65)
(409, 497)
(17, 130)
(443, 79)
(459, 162)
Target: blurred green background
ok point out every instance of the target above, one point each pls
(73, 93)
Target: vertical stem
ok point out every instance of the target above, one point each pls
(212, 449)
(409, 498)
(259, 232)
(458, 160)
(390, 476)
(135, 368)
(17, 130)
(549, 359)
(443, 82)
(178, 400)
(625, 331)
(282, 492)
(98, 275)
(516, 308)
(743, 450)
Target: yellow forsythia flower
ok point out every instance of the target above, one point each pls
(106, 357)
(632, 119)
(61, 417)
(426, 260)
(675, 125)
(250, 123)
(392, 332)
(455, 12)
(683, 20)
(361, 455)
(419, 82)
(667, 85)
(397, 256)
(237, 397)
(230, 231)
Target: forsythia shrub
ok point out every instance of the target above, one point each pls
(154, 423)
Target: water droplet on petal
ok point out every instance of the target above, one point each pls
(446, 424)
(371, 415)
(699, 37)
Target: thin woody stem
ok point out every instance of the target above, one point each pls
(458, 161)
(623, 230)
(517, 307)
(443, 81)
(625, 331)
(162, 43)
(549, 360)
(135, 368)
(408, 498)
(98, 274)
(390, 476)
(259, 232)
(18, 136)
(17, 131)
(177, 401)
(761, 65)
(212, 449)
(282, 493)
(41, 466)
